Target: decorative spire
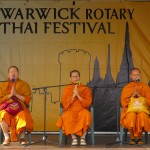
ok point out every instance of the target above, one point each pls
(96, 74)
(127, 62)
(108, 77)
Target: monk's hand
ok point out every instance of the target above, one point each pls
(12, 90)
(77, 92)
(74, 95)
(134, 92)
(137, 93)
(15, 92)
(11, 93)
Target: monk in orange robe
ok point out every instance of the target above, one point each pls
(76, 118)
(135, 122)
(12, 91)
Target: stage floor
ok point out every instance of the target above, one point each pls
(101, 142)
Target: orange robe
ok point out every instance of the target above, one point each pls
(135, 122)
(76, 118)
(23, 119)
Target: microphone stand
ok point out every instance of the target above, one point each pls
(44, 139)
(46, 87)
(119, 130)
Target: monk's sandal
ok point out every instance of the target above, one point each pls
(23, 141)
(132, 142)
(74, 142)
(82, 141)
(139, 142)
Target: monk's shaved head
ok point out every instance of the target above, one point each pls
(13, 67)
(133, 69)
(74, 71)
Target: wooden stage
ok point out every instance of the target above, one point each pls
(101, 142)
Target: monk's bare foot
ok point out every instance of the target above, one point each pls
(6, 142)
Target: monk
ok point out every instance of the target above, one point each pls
(76, 118)
(15, 96)
(135, 101)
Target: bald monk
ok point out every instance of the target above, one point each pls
(13, 114)
(135, 101)
(76, 118)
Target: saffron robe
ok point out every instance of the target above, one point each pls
(76, 118)
(23, 119)
(131, 120)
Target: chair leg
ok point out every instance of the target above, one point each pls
(1, 136)
(65, 139)
(92, 136)
(92, 126)
(60, 136)
(29, 137)
(125, 131)
(86, 137)
(146, 137)
(121, 134)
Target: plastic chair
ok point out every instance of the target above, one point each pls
(63, 137)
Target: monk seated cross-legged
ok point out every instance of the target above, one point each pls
(135, 101)
(15, 96)
(76, 118)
